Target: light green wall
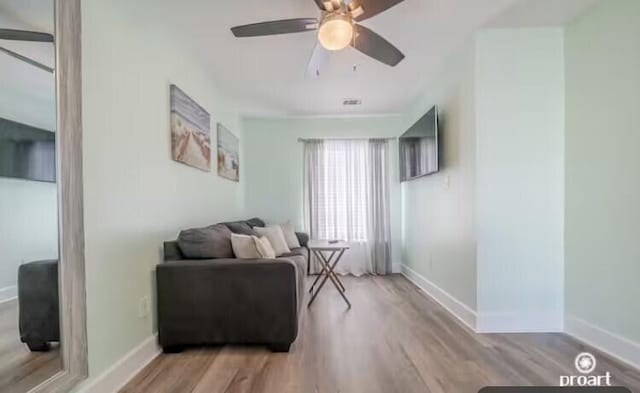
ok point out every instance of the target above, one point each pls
(520, 178)
(28, 227)
(603, 168)
(439, 210)
(488, 228)
(135, 195)
(274, 158)
(28, 209)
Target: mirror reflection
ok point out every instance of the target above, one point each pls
(29, 314)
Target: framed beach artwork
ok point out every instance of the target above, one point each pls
(228, 156)
(190, 131)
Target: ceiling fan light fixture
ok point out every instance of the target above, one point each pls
(336, 31)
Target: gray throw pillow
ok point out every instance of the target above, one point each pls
(240, 228)
(256, 222)
(206, 243)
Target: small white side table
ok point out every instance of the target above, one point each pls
(329, 255)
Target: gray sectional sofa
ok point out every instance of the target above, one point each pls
(207, 297)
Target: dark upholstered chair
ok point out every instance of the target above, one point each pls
(230, 301)
(38, 304)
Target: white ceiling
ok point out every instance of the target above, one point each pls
(536, 13)
(28, 93)
(267, 74)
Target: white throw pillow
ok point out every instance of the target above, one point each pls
(290, 235)
(264, 247)
(244, 246)
(276, 238)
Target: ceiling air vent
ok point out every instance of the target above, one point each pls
(351, 101)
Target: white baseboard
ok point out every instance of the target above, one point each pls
(117, 376)
(458, 309)
(8, 294)
(616, 346)
(520, 322)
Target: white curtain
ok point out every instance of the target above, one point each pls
(378, 213)
(346, 191)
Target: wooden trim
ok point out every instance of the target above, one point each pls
(73, 329)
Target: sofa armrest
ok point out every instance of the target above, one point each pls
(226, 301)
(172, 251)
(38, 302)
(303, 238)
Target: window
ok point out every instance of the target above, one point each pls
(342, 208)
(346, 191)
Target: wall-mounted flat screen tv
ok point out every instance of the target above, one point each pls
(419, 148)
(27, 152)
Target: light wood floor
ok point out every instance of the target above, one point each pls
(20, 369)
(394, 339)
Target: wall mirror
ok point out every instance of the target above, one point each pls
(42, 302)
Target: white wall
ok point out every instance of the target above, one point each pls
(603, 177)
(28, 228)
(274, 160)
(520, 179)
(439, 241)
(135, 195)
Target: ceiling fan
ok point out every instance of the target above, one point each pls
(336, 30)
(29, 36)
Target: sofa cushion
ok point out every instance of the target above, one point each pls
(299, 260)
(244, 246)
(303, 238)
(206, 243)
(264, 247)
(256, 222)
(301, 251)
(276, 238)
(290, 234)
(240, 227)
(172, 251)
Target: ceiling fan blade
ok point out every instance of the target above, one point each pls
(320, 4)
(26, 59)
(371, 44)
(372, 8)
(285, 26)
(23, 35)
(318, 62)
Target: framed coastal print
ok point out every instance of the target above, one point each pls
(190, 131)
(228, 154)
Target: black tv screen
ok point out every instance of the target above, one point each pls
(419, 148)
(27, 152)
